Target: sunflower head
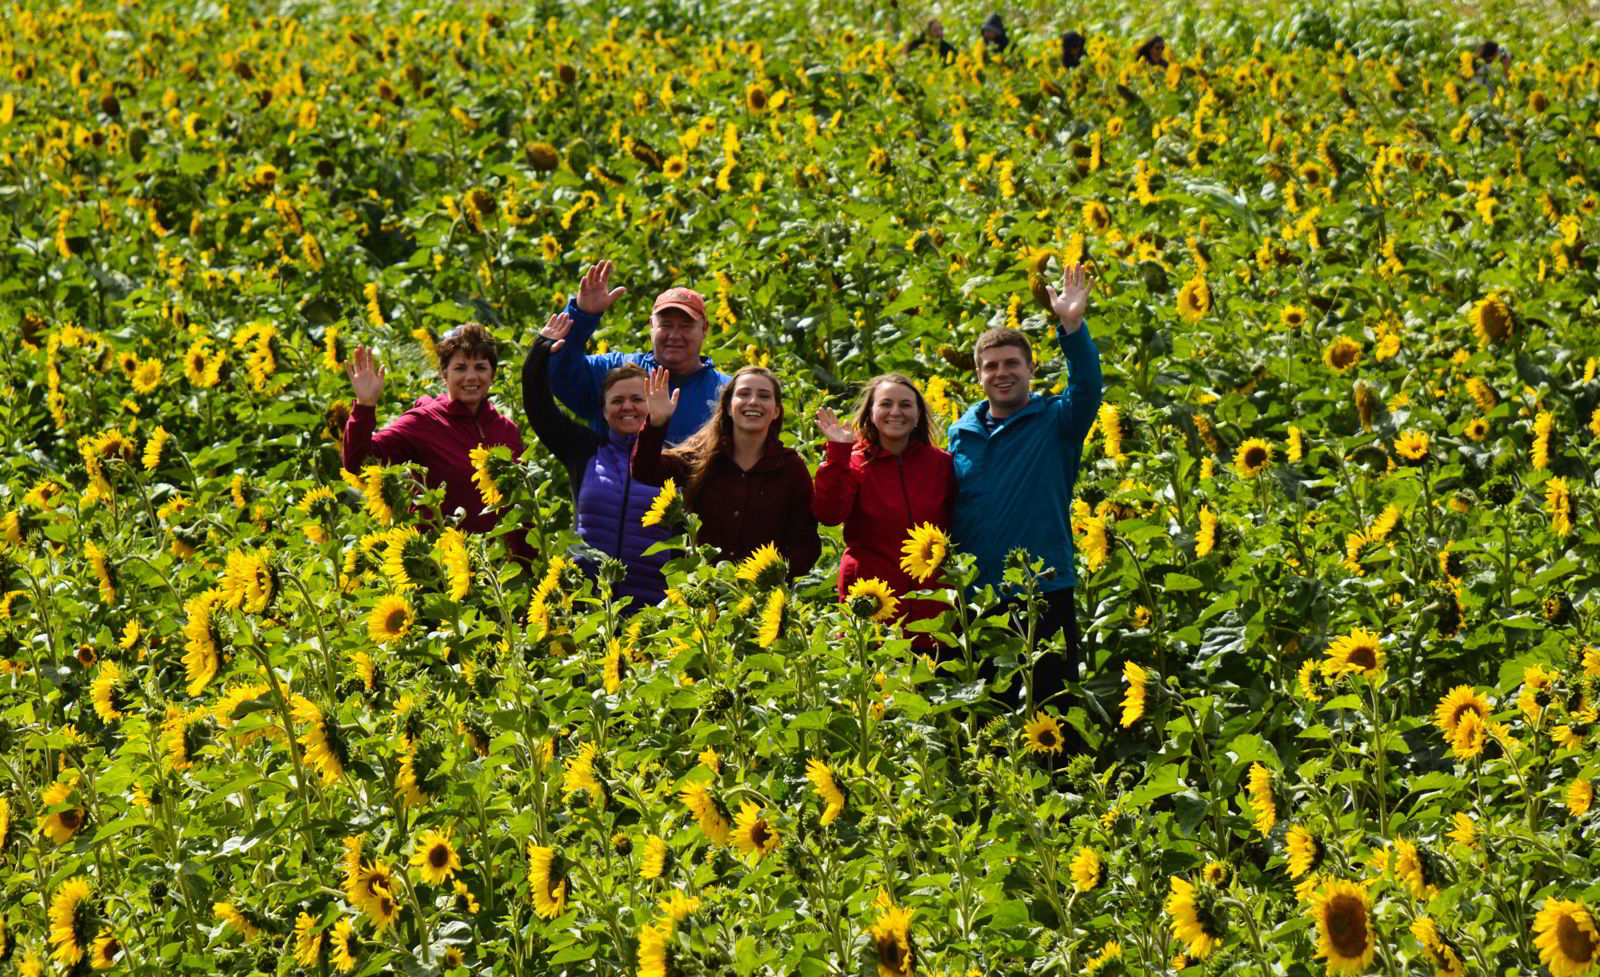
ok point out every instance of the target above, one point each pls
(1252, 458)
(764, 569)
(1042, 734)
(1344, 927)
(872, 599)
(1412, 445)
(1194, 299)
(924, 552)
(1358, 653)
(1491, 320)
(753, 833)
(1292, 316)
(755, 99)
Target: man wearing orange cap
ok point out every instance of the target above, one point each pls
(677, 331)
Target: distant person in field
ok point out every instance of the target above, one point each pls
(440, 432)
(677, 332)
(1016, 459)
(747, 488)
(994, 35)
(933, 36)
(608, 503)
(880, 477)
(1152, 52)
(1072, 48)
(1486, 57)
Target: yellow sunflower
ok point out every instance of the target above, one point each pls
(1252, 458)
(1133, 700)
(772, 618)
(71, 918)
(661, 505)
(833, 799)
(872, 599)
(655, 948)
(481, 458)
(390, 620)
(1412, 445)
(1342, 354)
(653, 857)
(60, 826)
(1455, 704)
(549, 884)
(755, 99)
(1358, 653)
(1197, 918)
(1441, 953)
(343, 946)
(1260, 789)
(891, 938)
(924, 552)
(105, 953)
(307, 941)
(1304, 851)
(764, 568)
(1580, 797)
(1042, 734)
(1344, 927)
(1292, 316)
(1468, 739)
(1194, 299)
(1491, 320)
(707, 811)
(435, 857)
(1564, 933)
(753, 834)
(1088, 871)
(675, 167)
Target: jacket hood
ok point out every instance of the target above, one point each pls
(972, 421)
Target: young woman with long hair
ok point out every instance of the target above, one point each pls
(882, 476)
(747, 488)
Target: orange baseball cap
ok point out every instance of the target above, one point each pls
(686, 299)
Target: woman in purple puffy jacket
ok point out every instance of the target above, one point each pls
(608, 501)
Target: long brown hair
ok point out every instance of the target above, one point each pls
(868, 431)
(716, 433)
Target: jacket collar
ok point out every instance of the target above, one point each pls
(972, 420)
(871, 452)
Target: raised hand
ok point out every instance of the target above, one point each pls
(366, 376)
(658, 401)
(595, 295)
(556, 328)
(1070, 303)
(828, 423)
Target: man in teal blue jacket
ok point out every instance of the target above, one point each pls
(1016, 459)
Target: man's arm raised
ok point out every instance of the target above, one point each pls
(1084, 382)
(576, 377)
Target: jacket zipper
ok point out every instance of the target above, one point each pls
(622, 519)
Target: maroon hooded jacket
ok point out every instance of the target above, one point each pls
(879, 497)
(742, 510)
(438, 434)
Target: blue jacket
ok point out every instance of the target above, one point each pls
(1014, 487)
(577, 379)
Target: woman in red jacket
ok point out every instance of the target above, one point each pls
(746, 487)
(880, 481)
(437, 433)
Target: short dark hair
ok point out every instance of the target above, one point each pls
(617, 374)
(472, 341)
(1000, 336)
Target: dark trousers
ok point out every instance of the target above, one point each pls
(1054, 669)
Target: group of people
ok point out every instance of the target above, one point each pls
(638, 419)
(996, 40)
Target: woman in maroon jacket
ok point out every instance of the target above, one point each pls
(748, 489)
(880, 481)
(437, 433)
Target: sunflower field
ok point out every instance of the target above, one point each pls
(1336, 522)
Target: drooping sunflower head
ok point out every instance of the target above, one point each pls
(105, 953)
(1344, 927)
(872, 599)
(774, 614)
(764, 569)
(1194, 299)
(1252, 458)
(924, 552)
(1302, 850)
(833, 798)
(1042, 734)
(1199, 921)
(891, 937)
(72, 920)
(666, 506)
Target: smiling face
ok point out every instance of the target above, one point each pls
(894, 412)
(467, 380)
(1004, 372)
(676, 338)
(625, 411)
(754, 405)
